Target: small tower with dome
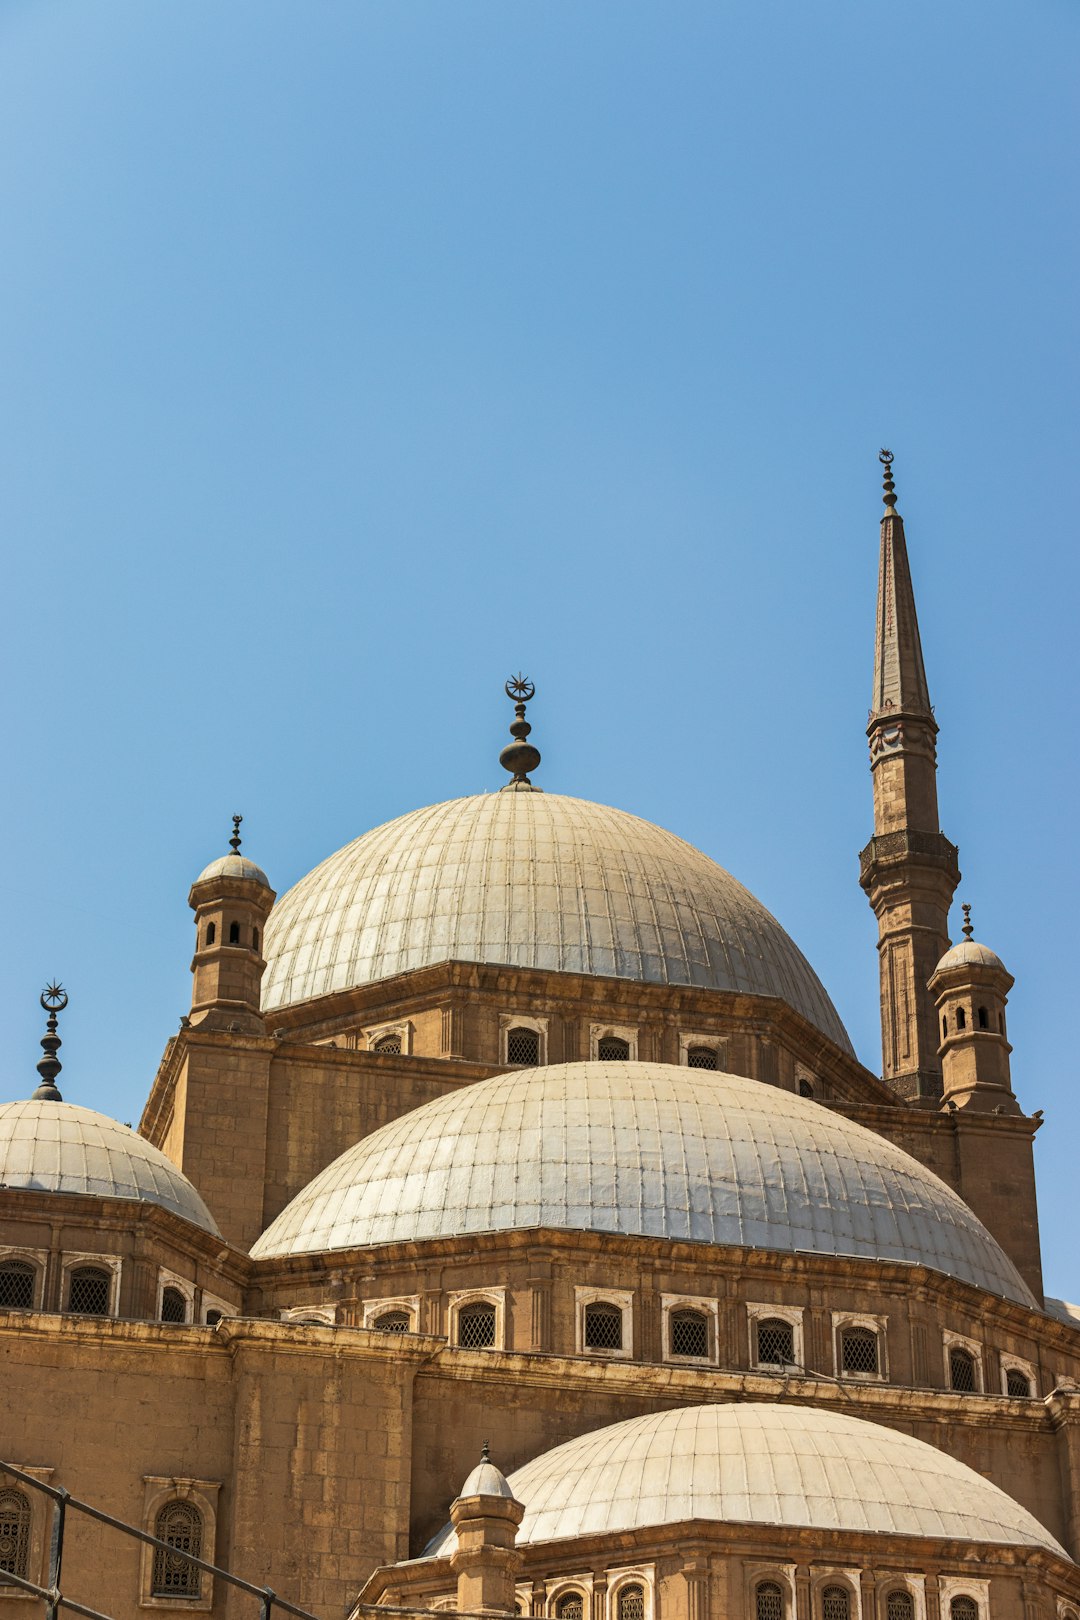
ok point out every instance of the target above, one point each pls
(231, 900)
(485, 1516)
(970, 986)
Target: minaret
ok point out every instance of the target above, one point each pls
(909, 869)
(231, 900)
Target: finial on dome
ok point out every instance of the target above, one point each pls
(54, 999)
(967, 930)
(485, 1454)
(234, 841)
(520, 757)
(889, 497)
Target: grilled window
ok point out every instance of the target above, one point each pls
(14, 1535)
(523, 1046)
(899, 1605)
(1017, 1383)
(632, 1603)
(88, 1291)
(180, 1524)
(805, 1089)
(775, 1342)
(612, 1049)
(963, 1608)
(173, 1306)
(603, 1327)
(702, 1057)
(858, 1350)
(768, 1601)
(476, 1326)
(389, 1046)
(570, 1606)
(17, 1285)
(392, 1322)
(689, 1333)
(835, 1603)
(962, 1371)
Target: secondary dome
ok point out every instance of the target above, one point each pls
(59, 1147)
(535, 880)
(234, 866)
(648, 1149)
(757, 1464)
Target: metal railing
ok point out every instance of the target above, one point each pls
(63, 1504)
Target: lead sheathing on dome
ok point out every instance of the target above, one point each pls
(532, 880)
(645, 1149)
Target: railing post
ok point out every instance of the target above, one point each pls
(56, 1554)
(268, 1597)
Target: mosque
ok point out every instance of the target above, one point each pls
(511, 1229)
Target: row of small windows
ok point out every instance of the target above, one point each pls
(234, 935)
(981, 1014)
(836, 1604)
(630, 1604)
(88, 1291)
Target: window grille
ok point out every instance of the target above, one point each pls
(612, 1049)
(899, 1605)
(805, 1089)
(389, 1046)
(858, 1350)
(180, 1524)
(14, 1535)
(173, 1306)
(769, 1601)
(689, 1333)
(603, 1327)
(835, 1603)
(1017, 1383)
(702, 1057)
(570, 1606)
(961, 1371)
(632, 1603)
(963, 1608)
(476, 1327)
(775, 1342)
(523, 1046)
(88, 1291)
(392, 1322)
(17, 1285)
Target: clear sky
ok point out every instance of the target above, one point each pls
(355, 354)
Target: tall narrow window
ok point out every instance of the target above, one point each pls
(211, 933)
(963, 1608)
(570, 1606)
(944, 1026)
(836, 1603)
(254, 939)
(174, 1576)
(961, 1018)
(768, 1601)
(775, 1342)
(234, 933)
(1018, 1384)
(858, 1350)
(173, 1306)
(476, 1326)
(603, 1326)
(612, 1049)
(702, 1057)
(962, 1370)
(523, 1046)
(88, 1291)
(984, 1021)
(14, 1535)
(632, 1603)
(17, 1285)
(899, 1605)
(689, 1334)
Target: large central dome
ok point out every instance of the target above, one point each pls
(533, 880)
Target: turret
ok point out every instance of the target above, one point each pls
(486, 1561)
(970, 986)
(231, 900)
(908, 869)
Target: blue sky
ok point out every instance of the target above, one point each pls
(353, 355)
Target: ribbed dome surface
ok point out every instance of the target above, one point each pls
(533, 880)
(757, 1464)
(643, 1148)
(59, 1147)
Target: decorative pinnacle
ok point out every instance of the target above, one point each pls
(889, 497)
(967, 929)
(485, 1454)
(520, 756)
(234, 841)
(54, 999)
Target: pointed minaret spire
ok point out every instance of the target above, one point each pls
(909, 870)
(54, 999)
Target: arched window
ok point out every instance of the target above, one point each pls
(632, 1603)
(388, 1045)
(254, 939)
(702, 1057)
(603, 1326)
(805, 1089)
(689, 1333)
(211, 933)
(612, 1049)
(775, 1342)
(900, 1605)
(858, 1350)
(984, 1021)
(392, 1322)
(962, 1370)
(963, 1608)
(234, 933)
(476, 1326)
(180, 1524)
(836, 1603)
(213, 1318)
(768, 1601)
(961, 1018)
(944, 1026)
(14, 1535)
(1018, 1384)
(571, 1606)
(173, 1306)
(523, 1046)
(17, 1285)
(88, 1291)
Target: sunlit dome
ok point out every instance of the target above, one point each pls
(752, 1463)
(648, 1149)
(534, 880)
(234, 866)
(59, 1147)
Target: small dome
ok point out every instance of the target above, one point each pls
(59, 1147)
(234, 866)
(487, 1480)
(753, 1463)
(969, 953)
(648, 1149)
(533, 880)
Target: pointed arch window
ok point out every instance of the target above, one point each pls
(15, 1520)
(180, 1524)
(234, 933)
(211, 933)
